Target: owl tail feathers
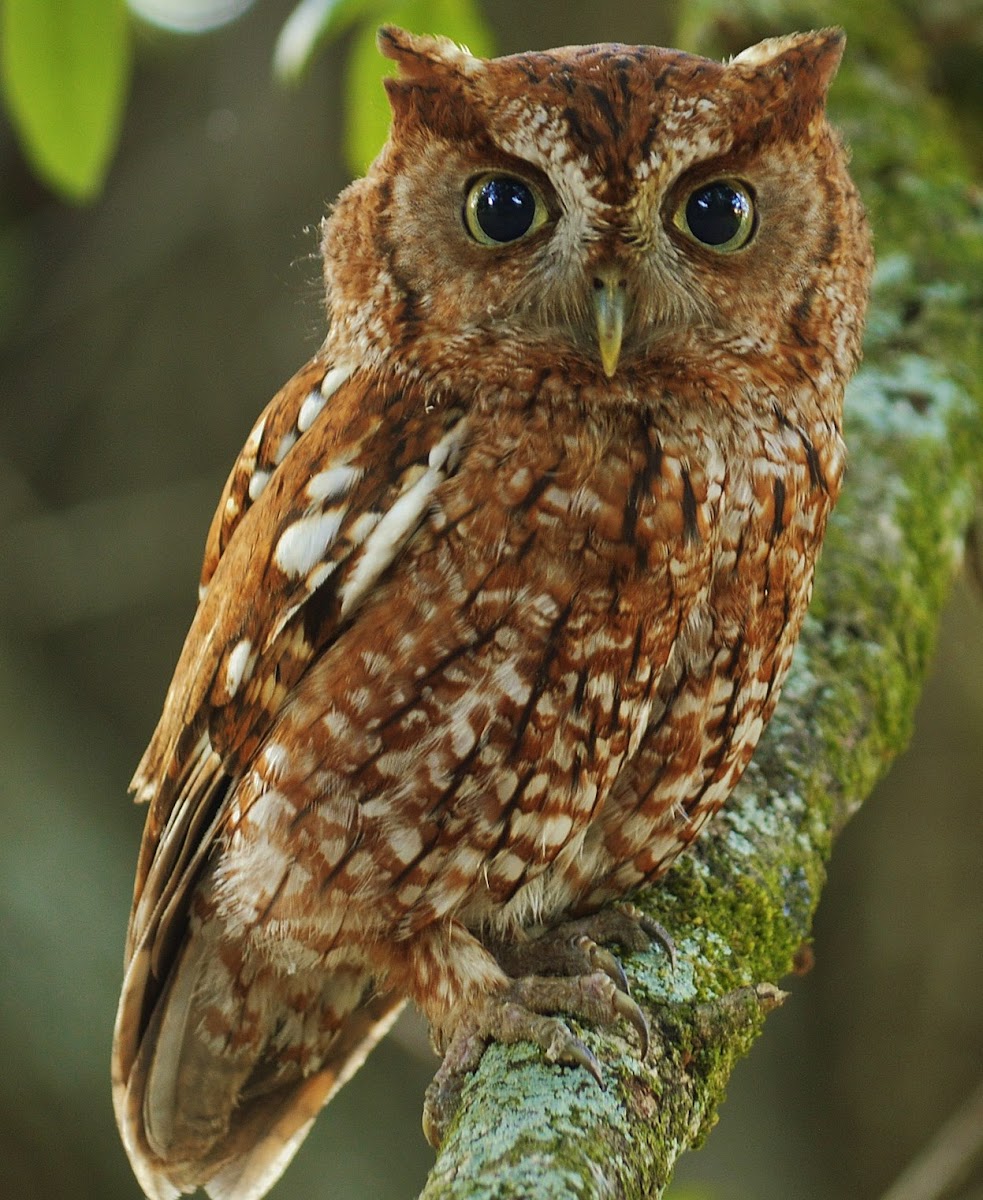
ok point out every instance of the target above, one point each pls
(196, 1111)
(268, 1140)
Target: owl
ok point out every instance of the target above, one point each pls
(502, 587)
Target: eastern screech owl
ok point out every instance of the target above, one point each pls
(504, 583)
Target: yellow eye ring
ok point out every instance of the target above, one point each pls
(502, 208)
(718, 215)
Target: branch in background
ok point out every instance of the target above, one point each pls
(741, 906)
(947, 1159)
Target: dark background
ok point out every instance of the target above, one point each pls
(139, 337)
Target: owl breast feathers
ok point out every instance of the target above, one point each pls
(503, 586)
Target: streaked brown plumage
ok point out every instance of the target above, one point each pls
(505, 582)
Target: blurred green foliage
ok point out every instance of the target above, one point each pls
(65, 69)
(367, 113)
(315, 22)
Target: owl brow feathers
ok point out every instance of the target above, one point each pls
(445, 87)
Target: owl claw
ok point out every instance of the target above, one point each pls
(602, 960)
(573, 947)
(650, 926)
(523, 1013)
(629, 1010)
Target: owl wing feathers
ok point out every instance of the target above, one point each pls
(291, 561)
(277, 429)
(290, 556)
(180, 1085)
(261, 1144)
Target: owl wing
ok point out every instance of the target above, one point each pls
(331, 484)
(315, 510)
(181, 803)
(277, 430)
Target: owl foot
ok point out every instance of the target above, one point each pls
(574, 947)
(520, 1014)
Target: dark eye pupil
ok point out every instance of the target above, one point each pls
(505, 209)
(716, 213)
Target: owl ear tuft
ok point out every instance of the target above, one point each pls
(799, 67)
(420, 56)
(431, 90)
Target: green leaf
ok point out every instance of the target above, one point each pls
(367, 116)
(64, 68)
(310, 24)
(366, 106)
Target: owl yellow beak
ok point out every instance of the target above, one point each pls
(609, 312)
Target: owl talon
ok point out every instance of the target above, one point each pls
(650, 926)
(502, 1019)
(601, 959)
(629, 1010)
(523, 1013)
(574, 947)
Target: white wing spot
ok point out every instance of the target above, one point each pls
(275, 759)
(362, 526)
(333, 380)
(258, 481)
(309, 411)
(287, 443)
(398, 523)
(319, 575)
(303, 544)
(255, 437)
(318, 398)
(334, 483)
(239, 666)
(445, 452)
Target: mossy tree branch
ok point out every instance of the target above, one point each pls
(741, 906)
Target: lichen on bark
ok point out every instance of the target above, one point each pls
(741, 905)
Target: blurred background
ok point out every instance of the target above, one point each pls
(139, 337)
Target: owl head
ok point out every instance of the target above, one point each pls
(605, 211)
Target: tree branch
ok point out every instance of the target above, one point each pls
(948, 1157)
(741, 906)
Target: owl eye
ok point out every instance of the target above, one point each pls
(719, 215)
(501, 209)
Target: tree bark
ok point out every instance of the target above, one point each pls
(740, 907)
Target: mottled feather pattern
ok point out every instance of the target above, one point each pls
(503, 586)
